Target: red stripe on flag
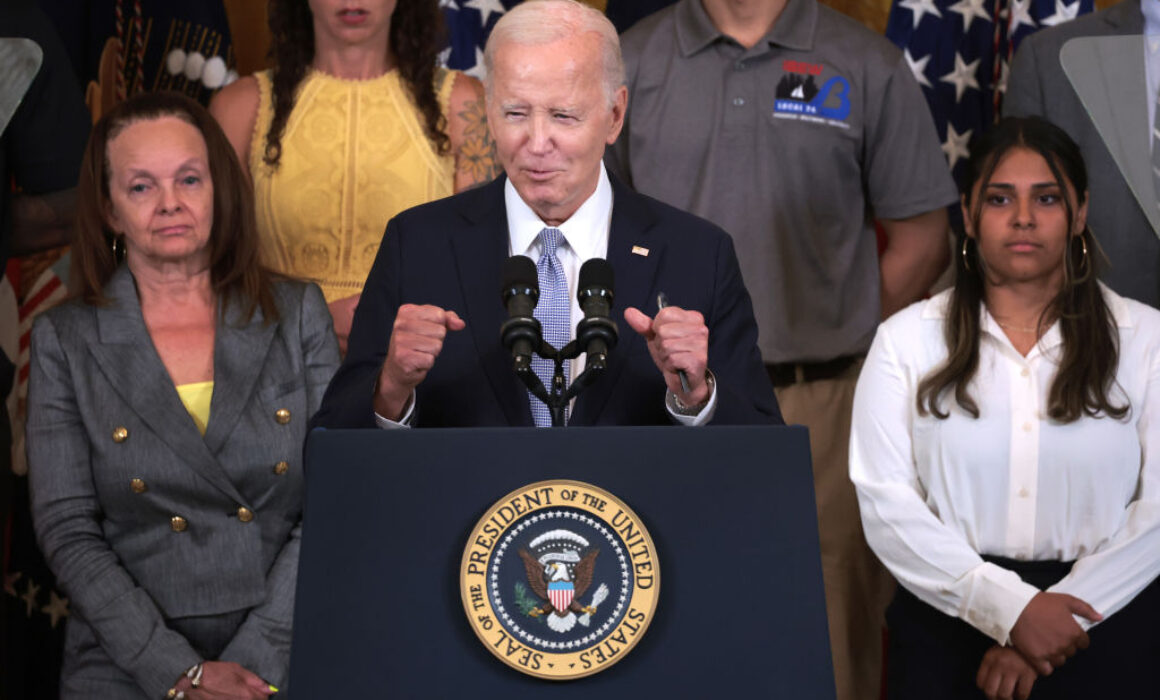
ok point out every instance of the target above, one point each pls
(37, 299)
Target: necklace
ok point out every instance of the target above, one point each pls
(1022, 329)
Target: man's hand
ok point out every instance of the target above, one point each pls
(677, 339)
(1005, 675)
(1047, 634)
(416, 340)
(225, 679)
(342, 311)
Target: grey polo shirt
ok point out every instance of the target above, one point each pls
(793, 147)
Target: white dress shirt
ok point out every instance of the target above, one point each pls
(935, 494)
(585, 236)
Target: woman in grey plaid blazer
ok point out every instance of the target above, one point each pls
(168, 403)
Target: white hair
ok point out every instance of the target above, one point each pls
(537, 22)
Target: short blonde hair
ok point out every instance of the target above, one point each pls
(536, 22)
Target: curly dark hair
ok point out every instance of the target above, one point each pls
(415, 37)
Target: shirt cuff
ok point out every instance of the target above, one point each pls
(704, 416)
(995, 600)
(404, 422)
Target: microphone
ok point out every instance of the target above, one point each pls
(597, 332)
(521, 333)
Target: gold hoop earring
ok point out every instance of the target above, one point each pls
(1083, 260)
(966, 258)
(118, 249)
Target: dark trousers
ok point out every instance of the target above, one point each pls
(932, 655)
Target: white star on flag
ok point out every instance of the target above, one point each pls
(955, 146)
(1063, 13)
(56, 609)
(485, 7)
(963, 76)
(970, 9)
(918, 68)
(30, 592)
(1020, 14)
(919, 8)
(477, 70)
(448, 3)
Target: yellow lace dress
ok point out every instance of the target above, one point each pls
(354, 154)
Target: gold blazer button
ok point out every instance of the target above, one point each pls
(120, 434)
(281, 468)
(138, 486)
(282, 415)
(245, 514)
(178, 523)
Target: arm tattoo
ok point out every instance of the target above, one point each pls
(476, 155)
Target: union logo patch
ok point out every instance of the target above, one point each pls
(559, 579)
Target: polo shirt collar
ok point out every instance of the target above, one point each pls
(586, 231)
(794, 29)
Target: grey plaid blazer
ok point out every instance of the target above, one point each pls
(172, 548)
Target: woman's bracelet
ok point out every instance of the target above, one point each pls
(193, 673)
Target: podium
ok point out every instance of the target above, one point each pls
(731, 513)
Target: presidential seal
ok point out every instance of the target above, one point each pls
(559, 579)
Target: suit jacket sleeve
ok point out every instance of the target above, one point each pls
(1024, 86)
(262, 643)
(349, 400)
(744, 394)
(67, 512)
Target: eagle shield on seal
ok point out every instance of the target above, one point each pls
(560, 576)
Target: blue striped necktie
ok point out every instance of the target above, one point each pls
(553, 311)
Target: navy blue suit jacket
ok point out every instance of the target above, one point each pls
(449, 253)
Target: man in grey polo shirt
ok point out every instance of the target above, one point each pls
(793, 127)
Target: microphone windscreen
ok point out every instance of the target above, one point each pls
(596, 272)
(519, 270)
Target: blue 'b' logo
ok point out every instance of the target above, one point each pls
(837, 88)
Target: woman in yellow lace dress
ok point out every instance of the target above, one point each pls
(353, 124)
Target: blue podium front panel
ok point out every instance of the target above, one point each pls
(730, 511)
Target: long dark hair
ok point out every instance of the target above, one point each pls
(235, 273)
(415, 37)
(1087, 367)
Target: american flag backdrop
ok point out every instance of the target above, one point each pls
(469, 23)
(960, 52)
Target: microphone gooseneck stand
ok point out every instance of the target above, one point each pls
(557, 399)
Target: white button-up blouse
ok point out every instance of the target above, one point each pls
(935, 494)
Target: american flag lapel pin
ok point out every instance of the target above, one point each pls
(640, 250)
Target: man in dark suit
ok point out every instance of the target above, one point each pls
(425, 348)
(1089, 77)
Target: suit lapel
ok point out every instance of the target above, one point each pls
(240, 350)
(634, 251)
(1107, 73)
(479, 253)
(127, 357)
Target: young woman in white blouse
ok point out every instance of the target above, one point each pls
(1004, 449)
